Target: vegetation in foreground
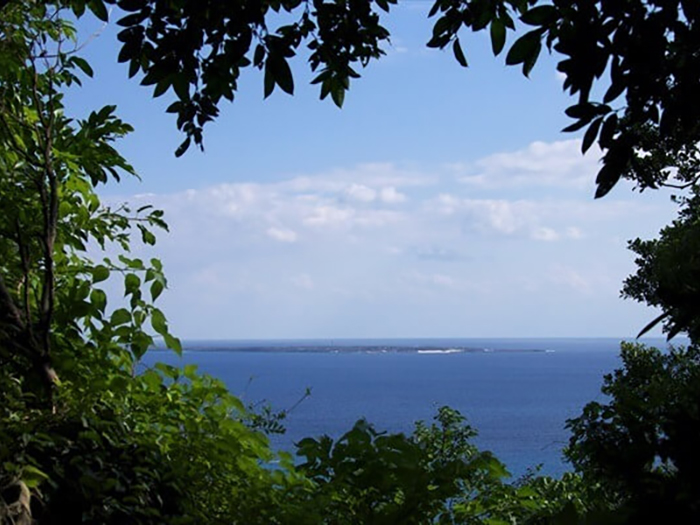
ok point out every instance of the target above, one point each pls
(84, 438)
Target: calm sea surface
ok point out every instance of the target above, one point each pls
(516, 393)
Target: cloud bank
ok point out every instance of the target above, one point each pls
(385, 249)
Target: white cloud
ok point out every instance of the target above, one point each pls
(541, 164)
(540, 220)
(545, 234)
(282, 234)
(391, 196)
(361, 193)
(381, 238)
(329, 216)
(375, 175)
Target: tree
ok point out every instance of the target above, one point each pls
(668, 272)
(641, 443)
(641, 54)
(49, 166)
(83, 436)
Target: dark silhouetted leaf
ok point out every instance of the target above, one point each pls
(591, 134)
(524, 48)
(269, 80)
(540, 15)
(498, 36)
(652, 324)
(98, 9)
(338, 94)
(83, 65)
(459, 54)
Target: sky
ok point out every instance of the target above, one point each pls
(439, 202)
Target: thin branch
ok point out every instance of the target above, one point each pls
(685, 186)
(24, 258)
(10, 315)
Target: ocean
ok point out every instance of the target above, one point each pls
(518, 393)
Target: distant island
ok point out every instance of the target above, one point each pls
(354, 348)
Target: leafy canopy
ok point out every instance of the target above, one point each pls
(88, 434)
(630, 66)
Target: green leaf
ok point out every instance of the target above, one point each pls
(615, 90)
(140, 344)
(258, 56)
(99, 10)
(525, 48)
(158, 322)
(132, 283)
(607, 133)
(168, 371)
(32, 476)
(532, 59)
(182, 87)
(120, 316)
(269, 79)
(540, 15)
(147, 236)
(576, 126)
(134, 264)
(183, 147)
(173, 343)
(98, 298)
(584, 110)
(652, 324)
(591, 134)
(436, 7)
(459, 54)
(338, 94)
(606, 180)
(83, 65)
(161, 87)
(283, 74)
(100, 273)
(156, 289)
(383, 5)
(498, 36)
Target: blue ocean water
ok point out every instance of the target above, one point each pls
(516, 393)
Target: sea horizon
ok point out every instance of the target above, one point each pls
(519, 401)
(408, 344)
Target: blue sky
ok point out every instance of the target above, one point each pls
(439, 202)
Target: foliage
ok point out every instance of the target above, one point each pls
(372, 477)
(83, 437)
(645, 118)
(668, 272)
(197, 50)
(631, 66)
(435, 475)
(88, 434)
(642, 443)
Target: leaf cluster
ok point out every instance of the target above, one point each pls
(641, 443)
(197, 50)
(668, 272)
(86, 433)
(641, 54)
